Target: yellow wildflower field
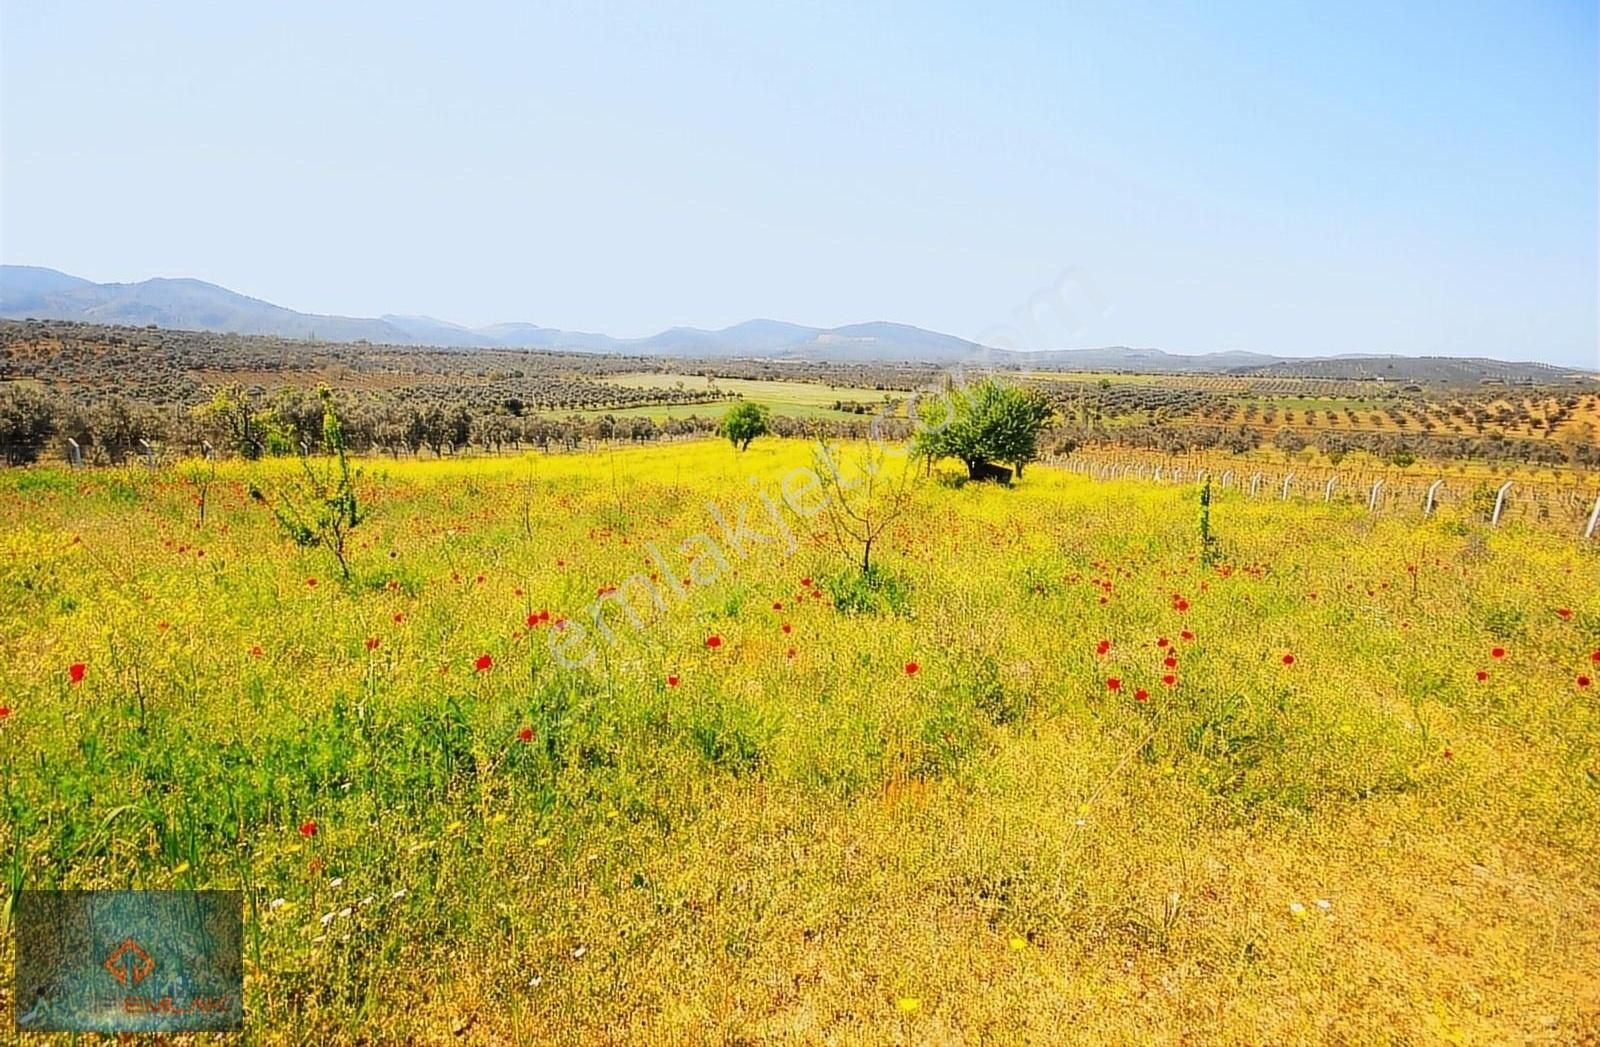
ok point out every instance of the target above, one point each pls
(623, 747)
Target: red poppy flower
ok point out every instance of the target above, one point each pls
(5, 711)
(532, 620)
(1170, 662)
(1181, 605)
(1187, 635)
(806, 582)
(255, 651)
(1482, 676)
(1113, 684)
(911, 668)
(1563, 613)
(526, 734)
(163, 625)
(372, 643)
(1498, 652)
(1169, 680)
(672, 681)
(1102, 647)
(311, 583)
(1163, 642)
(484, 663)
(308, 828)
(76, 671)
(1595, 657)
(777, 605)
(787, 628)
(399, 618)
(791, 652)
(1449, 755)
(1288, 659)
(1141, 695)
(713, 641)
(1583, 681)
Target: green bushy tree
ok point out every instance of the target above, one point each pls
(744, 423)
(983, 424)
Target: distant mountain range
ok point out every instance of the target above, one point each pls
(186, 304)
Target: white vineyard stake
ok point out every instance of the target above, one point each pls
(1594, 518)
(1255, 485)
(1327, 492)
(1499, 503)
(1372, 499)
(74, 453)
(1433, 489)
(149, 453)
(1286, 481)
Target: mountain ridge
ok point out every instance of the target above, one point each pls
(186, 303)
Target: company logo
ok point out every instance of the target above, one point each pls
(128, 961)
(129, 964)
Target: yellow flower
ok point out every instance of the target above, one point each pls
(1018, 944)
(908, 1004)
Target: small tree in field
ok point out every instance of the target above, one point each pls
(989, 422)
(744, 423)
(321, 510)
(863, 508)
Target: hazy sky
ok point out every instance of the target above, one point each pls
(1293, 178)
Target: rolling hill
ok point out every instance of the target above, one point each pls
(186, 304)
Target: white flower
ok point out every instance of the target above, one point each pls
(1324, 904)
(368, 900)
(1297, 910)
(397, 895)
(327, 918)
(577, 954)
(337, 881)
(277, 903)
(345, 912)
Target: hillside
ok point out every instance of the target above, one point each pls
(194, 305)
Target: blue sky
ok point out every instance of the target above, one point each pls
(1282, 177)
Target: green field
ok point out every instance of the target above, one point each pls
(792, 399)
